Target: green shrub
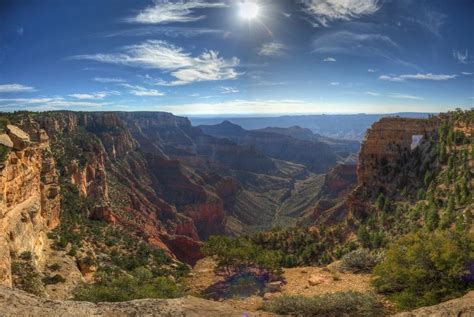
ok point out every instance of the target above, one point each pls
(360, 261)
(4, 153)
(26, 278)
(425, 268)
(123, 287)
(238, 255)
(335, 304)
(54, 267)
(55, 279)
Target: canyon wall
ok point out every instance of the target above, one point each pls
(395, 154)
(29, 195)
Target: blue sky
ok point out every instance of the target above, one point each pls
(249, 57)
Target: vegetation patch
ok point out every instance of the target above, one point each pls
(423, 269)
(360, 261)
(118, 287)
(24, 274)
(335, 304)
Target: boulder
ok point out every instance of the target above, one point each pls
(315, 280)
(274, 287)
(20, 138)
(5, 140)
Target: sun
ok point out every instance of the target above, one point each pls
(248, 10)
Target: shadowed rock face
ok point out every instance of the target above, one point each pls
(19, 303)
(291, 144)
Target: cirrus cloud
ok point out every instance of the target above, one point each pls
(184, 67)
(272, 49)
(16, 88)
(173, 11)
(428, 76)
(326, 11)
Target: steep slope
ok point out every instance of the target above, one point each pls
(152, 174)
(29, 200)
(341, 147)
(315, 155)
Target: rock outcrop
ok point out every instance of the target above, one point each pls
(395, 154)
(18, 303)
(387, 143)
(460, 307)
(29, 197)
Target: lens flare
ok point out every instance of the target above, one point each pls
(248, 10)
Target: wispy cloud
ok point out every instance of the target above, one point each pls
(45, 103)
(329, 59)
(96, 95)
(428, 76)
(16, 88)
(173, 11)
(370, 70)
(184, 67)
(462, 58)
(359, 43)
(334, 83)
(272, 49)
(169, 31)
(466, 73)
(372, 93)
(229, 90)
(107, 80)
(142, 91)
(325, 11)
(403, 96)
(394, 95)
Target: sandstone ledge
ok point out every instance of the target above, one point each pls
(460, 307)
(18, 303)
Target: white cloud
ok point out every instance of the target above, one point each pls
(16, 88)
(428, 76)
(402, 96)
(46, 103)
(96, 95)
(371, 93)
(325, 11)
(107, 80)
(370, 70)
(359, 43)
(329, 59)
(166, 31)
(390, 78)
(153, 54)
(142, 91)
(466, 73)
(173, 11)
(334, 83)
(229, 90)
(461, 57)
(272, 49)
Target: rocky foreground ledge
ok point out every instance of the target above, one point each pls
(18, 303)
(459, 307)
